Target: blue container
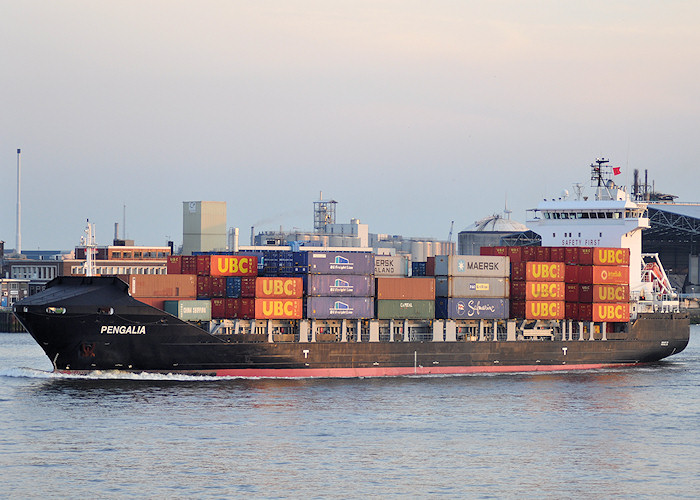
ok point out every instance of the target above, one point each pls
(418, 268)
(340, 307)
(233, 287)
(346, 285)
(457, 308)
(300, 258)
(341, 263)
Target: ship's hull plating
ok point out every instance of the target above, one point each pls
(131, 336)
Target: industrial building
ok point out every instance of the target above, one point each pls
(203, 226)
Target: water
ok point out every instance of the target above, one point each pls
(615, 433)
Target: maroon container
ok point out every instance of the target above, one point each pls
(572, 311)
(203, 287)
(174, 264)
(571, 273)
(515, 254)
(517, 308)
(203, 265)
(218, 308)
(529, 254)
(218, 286)
(585, 257)
(558, 254)
(248, 287)
(571, 292)
(585, 293)
(486, 251)
(430, 266)
(543, 254)
(571, 255)
(246, 308)
(518, 290)
(189, 264)
(585, 312)
(500, 251)
(518, 271)
(233, 307)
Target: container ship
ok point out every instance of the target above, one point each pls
(586, 298)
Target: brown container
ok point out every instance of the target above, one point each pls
(571, 310)
(248, 287)
(174, 264)
(517, 271)
(611, 312)
(571, 255)
(571, 293)
(585, 311)
(557, 254)
(189, 264)
(604, 275)
(246, 308)
(543, 254)
(283, 288)
(157, 302)
(544, 309)
(585, 293)
(203, 287)
(486, 251)
(233, 307)
(585, 256)
(544, 271)
(544, 290)
(515, 254)
(611, 293)
(203, 265)
(218, 287)
(518, 290)
(571, 273)
(529, 254)
(430, 266)
(162, 285)
(611, 256)
(278, 308)
(218, 309)
(500, 251)
(517, 308)
(405, 288)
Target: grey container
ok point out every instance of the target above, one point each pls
(345, 285)
(472, 265)
(459, 308)
(341, 263)
(189, 310)
(405, 309)
(470, 287)
(390, 265)
(339, 307)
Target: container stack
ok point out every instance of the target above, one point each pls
(339, 285)
(472, 286)
(405, 298)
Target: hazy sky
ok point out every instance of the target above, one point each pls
(410, 114)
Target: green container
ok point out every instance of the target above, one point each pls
(189, 310)
(405, 309)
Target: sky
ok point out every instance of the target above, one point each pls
(410, 114)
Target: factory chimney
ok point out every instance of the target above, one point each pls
(18, 247)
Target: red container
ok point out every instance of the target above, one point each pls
(405, 288)
(611, 256)
(585, 293)
(218, 286)
(515, 254)
(604, 275)
(174, 264)
(529, 254)
(500, 251)
(571, 255)
(517, 290)
(517, 308)
(571, 273)
(545, 271)
(233, 307)
(430, 266)
(218, 309)
(203, 287)
(189, 264)
(544, 309)
(486, 251)
(611, 312)
(542, 290)
(517, 271)
(585, 256)
(543, 254)
(233, 265)
(278, 308)
(585, 311)
(611, 293)
(161, 285)
(571, 292)
(203, 265)
(557, 254)
(283, 288)
(571, 310)
(248, 287)
(246, 308)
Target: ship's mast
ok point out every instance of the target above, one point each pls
(89, 240)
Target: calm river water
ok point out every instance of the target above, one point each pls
(615, 433)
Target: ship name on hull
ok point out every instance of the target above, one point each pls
(123, 330)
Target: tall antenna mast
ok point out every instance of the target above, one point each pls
(18, 247)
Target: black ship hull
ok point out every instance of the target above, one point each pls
(88, 324)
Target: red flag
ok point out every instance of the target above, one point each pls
(617, 171)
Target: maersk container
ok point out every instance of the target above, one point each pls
(405, 288)
(472, 265)
(189, 310)
(462, 308)
(339, 307)
(390, 265)
(341, 263)
(345, 285)
(465, 286)
(405, 309)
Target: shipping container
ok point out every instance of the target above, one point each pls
(276, 308)
(189, 310)
(500, 251)
(571, 293)
(604, 275)
(543, 254)
(545, 309)
(585, 293)
(203, 265)
(162, 285)
(189, 264)
(515, 254)
(585, 256)
(203, 287)
(611, 312)
(611, 256)
(517, 290)
(246, 308)
(472, 265)
(232, 307)
(557, 254)
(545, 271)
(463, 308)
(529, 254)
(571, 311)
(545, 290)
(218, 309)
(468, 287)
(430, 266)
(174, 264)
(571, 273)
(247, 287)
(571, 255)
(327, 285)
(218, 286)
(585, 311)
(487, 251)
(341, 263)
(339, 307)
(405, 309)
(517, 309)
(517, 271)
(611, 293)
(284, 288)
(233, 287)
(390, 265)
(233, 265)
(417, 268)
(405, 288)
(157, 302)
